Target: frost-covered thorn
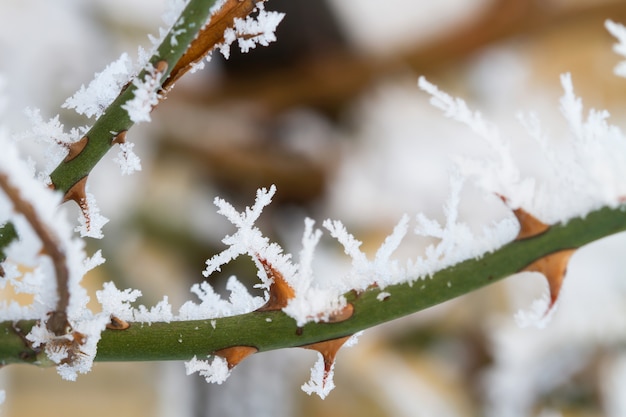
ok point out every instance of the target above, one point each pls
(322, 382)
(117, 323)
(529, 225)
(74, 149)
(78, 194)
(554, 268)
(119, 138)
(70, 345)
(235, 354)
(280, 292)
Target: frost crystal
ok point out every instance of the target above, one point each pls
(215, 372)
(249, 240)
(96, 97)
(619, 31)
(146, 96)
(90, 221)
(321, 382)
(52, 134)
(128, 161)
(585, 171)
(251, 31)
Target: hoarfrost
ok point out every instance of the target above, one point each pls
(251, 31)
(90, 221)
(127, 160)
(321, 382)
(102, 90)
(585, 171)
(214, 372)
(146, 95)
(619, 31)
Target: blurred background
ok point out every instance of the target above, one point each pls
(332, 115)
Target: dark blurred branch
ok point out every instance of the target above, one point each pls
(330, 80)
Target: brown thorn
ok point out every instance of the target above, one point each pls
(554, 268)
(74, 149)
(529, 225)
(328, 349)
(235, 354)
(51, 245)
(119, 138)
(341, 315)
(77, 192)
(280, 291)
(117, 323)
(161, 67)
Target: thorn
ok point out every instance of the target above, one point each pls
(161, 66)
(341, 315)
(78, 194)
(328, 349)
(530, 226)
(73, 344)
(554, 268)
(119, 138)
(74, 149)
(280, 291)
(117, 323)
(235, 354)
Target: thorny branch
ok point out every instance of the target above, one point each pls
(58, 322)
(201, 37)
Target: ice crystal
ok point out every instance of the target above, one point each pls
(619, 31)
(128, 161)
(102, 90)
(251, 31)
(321, 382)
(214, 372)
(146, 95)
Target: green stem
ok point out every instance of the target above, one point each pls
(275, 330)
(7, 235)
(115, 119)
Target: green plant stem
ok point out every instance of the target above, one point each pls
(275, 330)
(8, 234)
(115, 119)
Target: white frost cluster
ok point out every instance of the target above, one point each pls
(321, 382)
(91, 222)
(586, 170)
(619, 31)
(52, 135)
(251, 31)
(40, 281)
(215, 371)
(127, 159)
(146, 96)
(102, 90)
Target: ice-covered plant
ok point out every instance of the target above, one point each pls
(43, 254)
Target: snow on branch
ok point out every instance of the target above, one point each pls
(102, 90)
(146, 93)
(47, 247)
